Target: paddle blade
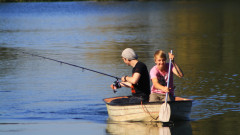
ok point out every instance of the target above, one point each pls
(164, 112)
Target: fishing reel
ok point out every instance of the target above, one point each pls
(116, 84)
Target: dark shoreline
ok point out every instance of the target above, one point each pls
(59, 0)
(1, 1)
(66, 0)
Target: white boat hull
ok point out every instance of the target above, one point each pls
(180, 110)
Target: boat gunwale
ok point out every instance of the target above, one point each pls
(144, 103)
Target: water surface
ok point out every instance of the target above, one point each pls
(37, 93)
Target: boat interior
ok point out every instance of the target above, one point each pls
(109, 100)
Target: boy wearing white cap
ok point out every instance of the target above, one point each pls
(139, 82)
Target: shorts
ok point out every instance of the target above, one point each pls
(155, 97)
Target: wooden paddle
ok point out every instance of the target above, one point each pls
(165, 111)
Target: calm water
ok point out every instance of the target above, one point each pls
(39, 96)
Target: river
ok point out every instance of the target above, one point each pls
(38, 96)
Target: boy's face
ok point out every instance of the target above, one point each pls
(160, 62)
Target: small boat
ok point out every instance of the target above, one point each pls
(180, 110)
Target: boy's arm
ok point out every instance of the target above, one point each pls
(177, 70)
(157, 85)
(126, 84)
(132, 80)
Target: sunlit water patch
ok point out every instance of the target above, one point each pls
(218, 94)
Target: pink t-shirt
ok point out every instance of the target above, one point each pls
(162, 79)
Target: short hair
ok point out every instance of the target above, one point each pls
(161, 54)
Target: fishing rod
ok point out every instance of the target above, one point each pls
(62, 62)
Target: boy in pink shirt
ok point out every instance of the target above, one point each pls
(159, 77)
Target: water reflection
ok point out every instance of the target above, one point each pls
(8, 61)
(146, 128)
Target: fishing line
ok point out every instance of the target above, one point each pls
(62, 62)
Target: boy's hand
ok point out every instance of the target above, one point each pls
(115, 85)
(171, 56)
(166, 89)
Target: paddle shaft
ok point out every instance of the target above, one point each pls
(168, 80)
